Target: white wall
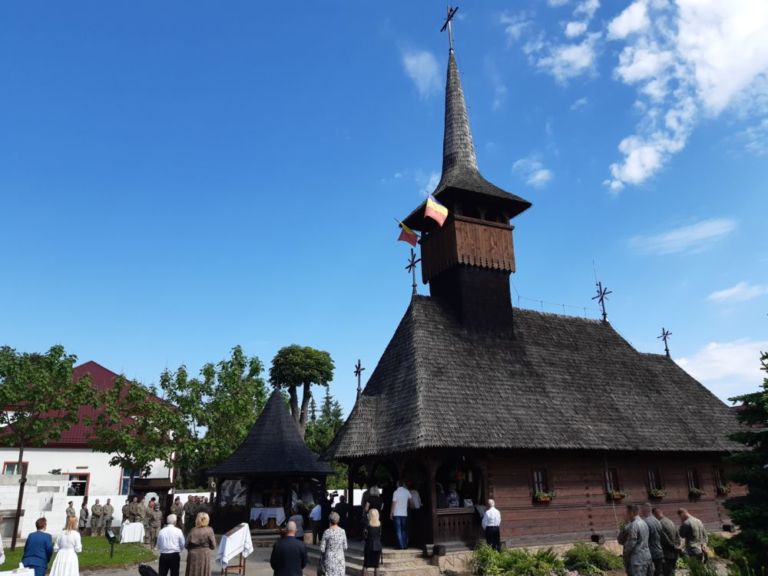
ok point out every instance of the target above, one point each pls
(104, 479)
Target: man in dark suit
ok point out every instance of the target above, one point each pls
(38, 549)
(289, 556)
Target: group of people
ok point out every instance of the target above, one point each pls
(101, 517)
(289, 555)
(404, 510)
(39, 548)
(652, 543)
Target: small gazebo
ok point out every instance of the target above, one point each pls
(269, 473)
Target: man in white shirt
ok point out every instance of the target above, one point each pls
(399, 514)
(491, 525)
(170, 543)
(316, 516)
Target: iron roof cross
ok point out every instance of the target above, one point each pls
(665, 334)
(601, 297)
(447, 24)
(359, 372)
(412, 261)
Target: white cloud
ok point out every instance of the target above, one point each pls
(686, 60)
(427, 182)
(727, 368)
(532, 171)
(633, 19)
(756, 138)
(421, 67)
(740, 292)
(575, 28)
(556, 3)
(587, 8)
(691, 238)
(580, 103)
(514, 25)
(566, 61)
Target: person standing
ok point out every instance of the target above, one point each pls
(491, 524)
(133, 510)
(654, 538)
(399, 514)
(108, 516)
(126, 512)
(170, 543)
(154, 522)
(189, 515)
(199, 545)
(342, 509)
(372, 546)
(177, 510)
(38, 548)
(315, 516)
(83, 523)
(415, 521)
(670, 542)
(97, 517)
(68, 546)
(695, 535)
(633, 536)
(289, 555)
(70, 513)
(332, 548)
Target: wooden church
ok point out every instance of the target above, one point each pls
(558, 418)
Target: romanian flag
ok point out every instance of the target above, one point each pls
(435, 210)
(407, 235)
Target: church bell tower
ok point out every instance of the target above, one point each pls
(468, 261)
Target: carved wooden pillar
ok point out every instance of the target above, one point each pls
(432, 465)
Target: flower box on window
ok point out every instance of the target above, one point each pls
(657, 493)
(695, 493)
(616, 495)
(543, 497)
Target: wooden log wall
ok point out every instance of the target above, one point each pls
(580, 507)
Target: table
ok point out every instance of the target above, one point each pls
(234, 543)
(22, 572)
(264, 514)
(132, 532)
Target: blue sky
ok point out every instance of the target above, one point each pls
(180, 177)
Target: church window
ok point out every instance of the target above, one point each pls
(654, 479)
(540, 481)
(612, 481)
(693, 479)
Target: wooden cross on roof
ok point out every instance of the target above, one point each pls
(601, 297)
(411, 267)
(359, 372)
(448, 25)
(665, 334)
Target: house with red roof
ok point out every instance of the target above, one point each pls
(89, 473)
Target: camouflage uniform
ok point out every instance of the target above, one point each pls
(109, 514)
(97, 520)
(154, 522)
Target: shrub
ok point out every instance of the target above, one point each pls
(516, 562)
(591, 559)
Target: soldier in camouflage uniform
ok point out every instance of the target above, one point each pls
(154, 522)
(97, 519)
(70, 513)
(109, 514)
(189, 514)
(126, 511)
(178, 510)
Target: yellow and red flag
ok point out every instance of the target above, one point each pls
(407, 235)
(435, 210)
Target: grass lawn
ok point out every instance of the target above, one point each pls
(95, 555)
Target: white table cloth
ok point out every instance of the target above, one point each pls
(235, 542)
(264, 514)
(133, 532)
(21, 572)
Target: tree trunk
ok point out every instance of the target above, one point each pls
(305, 398)
(22, 482)
(294, 405)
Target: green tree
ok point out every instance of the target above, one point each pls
(750, 512)
(322, 430)
(136, 428)
(300, 366)
(219, 408)
(39, 400)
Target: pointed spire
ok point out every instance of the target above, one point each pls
(458, 148)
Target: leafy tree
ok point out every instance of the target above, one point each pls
(300, 366)
(39, 400)
(219, 408)
(322, 430)
(750, 512)
(136, 428)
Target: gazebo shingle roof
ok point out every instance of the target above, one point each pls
(273, 447)
(547, 382)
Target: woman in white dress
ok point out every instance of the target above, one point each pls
(68, 546)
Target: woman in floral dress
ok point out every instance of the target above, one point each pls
(332, 547)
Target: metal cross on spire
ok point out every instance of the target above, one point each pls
(448, 24)
(412, 261)
(601, 297)
(665, 334)
(358, 373)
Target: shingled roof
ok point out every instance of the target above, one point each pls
(273, 447)
(547, 382)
